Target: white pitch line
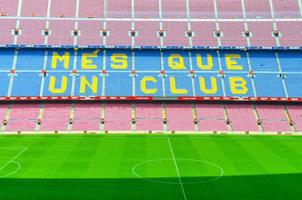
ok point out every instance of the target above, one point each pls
(180, 181)
(14, 158)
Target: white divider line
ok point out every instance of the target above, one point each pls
(300, 6)
(177, 170)
(281, 72)
(47, 22)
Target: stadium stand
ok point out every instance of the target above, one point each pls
(236, 21)
(189, 50)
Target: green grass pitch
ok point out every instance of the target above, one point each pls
(137, 167)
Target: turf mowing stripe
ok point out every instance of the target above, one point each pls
(176, 167)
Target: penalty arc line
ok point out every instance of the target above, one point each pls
(14, 158)
(177, 171)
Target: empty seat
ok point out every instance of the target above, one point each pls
(119, 9)
(262, 34)
(90, 33)
(286, 8)
(31, 32)
(211, 117)
(8, 7)
(23, 117)
(273, 118)
(202, 9)
(147, 33)
(180, 117)
(291, 33)
(242, 117)
(55, 117)
(34, 8)
(175, 34)
(61, 33)
(87, 117)
(91, 9)
(6, 31)
(149, 117)
(257, 9)
(3, 109)
(118, 33)
(177, 9)
(233, 34)
(204, 34)
(229, 9)
(146, 10)
(118, 117)
(66, 8)
(295, 112)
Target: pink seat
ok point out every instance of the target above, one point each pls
(211, 117)
(180, 117)
(90, 33)
(202, 9)
(229, 9)
(149, 117)
(204, 34)
(61, 33)
(66, 8)
(31, 32)
(295, 112)
(257, 9)
(87, 117)
(262, 34)
(6, 29)
(55, 117)
(118, 33)
(146, 10)
(3, 109)
(119, 9)
(176, 34)
(177, 9)
(91, 8)
(9, 7)
(290, 33)
(242, 117)
(118, 117)
(147, 34)
(273, 118)
(233, 34)
(286, 8)
(23, 117)
(34, 8)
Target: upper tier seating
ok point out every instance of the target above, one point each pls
(188, 23)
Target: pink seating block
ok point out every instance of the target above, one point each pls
(242, 117)
(90, 33)
(290, 33)
(211, 117)
(118, 33)
(91, 8)
(146, 10)
(233, 34)
(295, 112)
(6, 28)
(31, 32)
(177, 9)
(257, 9)
(55, 117)
(261, 34)
(180, 117)
(61, 33)
(23, 117)
(202, 9)
(3, 109)
(118, 117)
(149, 117)
(273, 118)
(87, 117)
(204, 34)
(34, 8)
(118, 8)
(229, 9)
(286, 8)
(147, 34)
(176, 34)
(66, 8)
(9, 7)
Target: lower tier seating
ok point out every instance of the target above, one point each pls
(149, 117)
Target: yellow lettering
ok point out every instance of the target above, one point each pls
(119, 61)
(65, 58)
(238, 85)
(231, 62)
(203, 87)
(144, 85)
(176, 61)
(209, 64)
(93, 85)
(59, 90)
(87, 60)
(174, 89)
